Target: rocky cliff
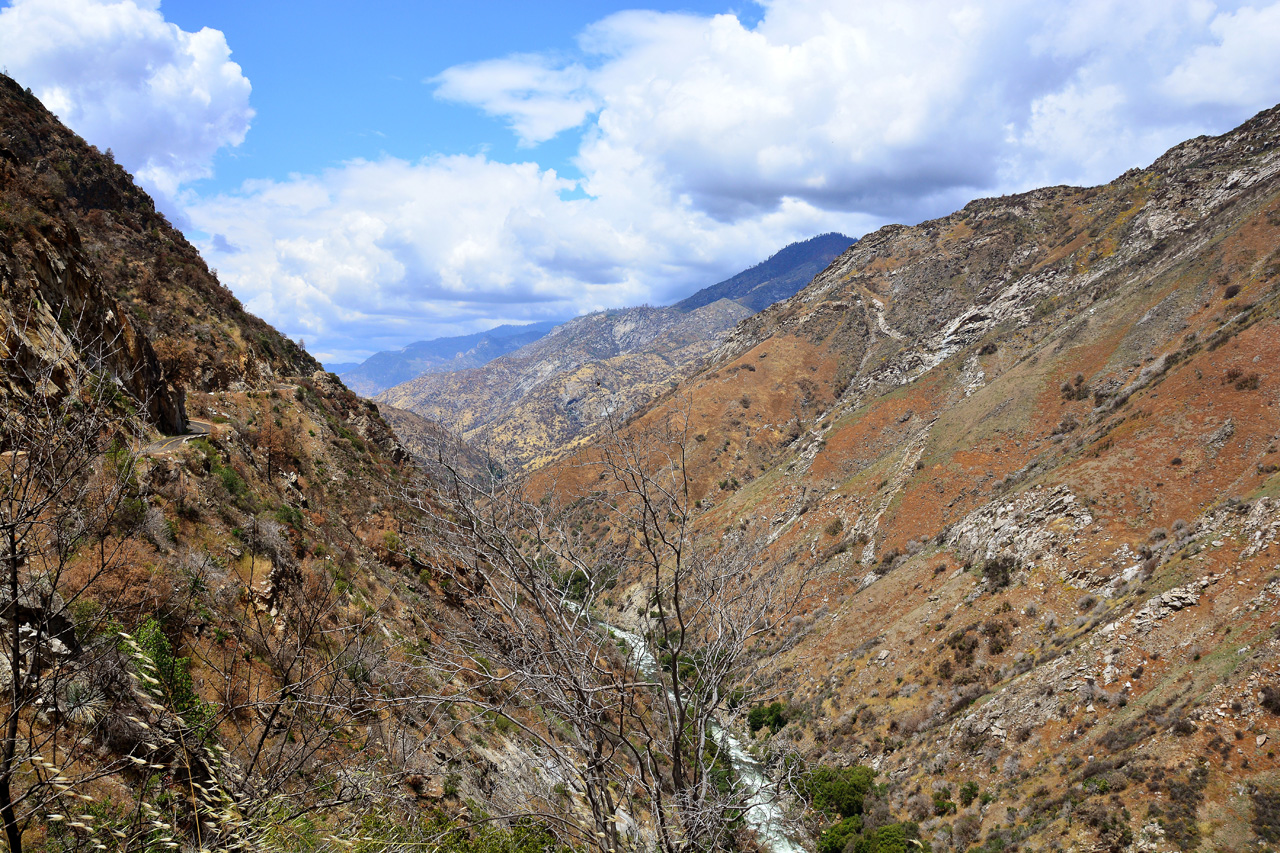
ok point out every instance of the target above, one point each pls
(77, 229)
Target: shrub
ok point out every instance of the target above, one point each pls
(173, 673)
(837, 790)
(1266, 815)
(999, 571)
(968, 793)
(893, 838)
(942, 803)
(774, 716)
(834, 839)
(834, 526)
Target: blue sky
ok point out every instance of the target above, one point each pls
(330, 85)
(364, 177)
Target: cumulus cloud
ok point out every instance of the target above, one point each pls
(537, 99)
(702, 143)
(705, 144)
(372, 255)
(164, 100)
(898, 110)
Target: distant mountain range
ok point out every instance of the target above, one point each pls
(382, 370)
(528, 405)
(775, 279)
(757, 288)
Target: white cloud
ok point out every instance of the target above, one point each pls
(706, 144)
(538, 99)
(373, 255)
(703, 144)
(1238, 66)
(891, 109)
(162, 99)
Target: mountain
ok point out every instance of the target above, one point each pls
(1029, 455)
(431, 443)
(996, 492)
(207, 632)
(529, 405)
(382, 370)
(74, 221)
(784, 273)
(526, 406)
(776, 278)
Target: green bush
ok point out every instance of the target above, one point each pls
(942, 803)
(836, 837)
(888, 839)
(774, 716)
(837, 790)
(290, 516)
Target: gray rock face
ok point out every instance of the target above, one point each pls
(1030, 528)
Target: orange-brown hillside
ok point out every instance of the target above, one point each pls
(1031, 448)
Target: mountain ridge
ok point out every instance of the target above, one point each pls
(384, 370)
(534, 402)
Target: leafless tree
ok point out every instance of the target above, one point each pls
(69, 439)
(633, 721)
(299, 680)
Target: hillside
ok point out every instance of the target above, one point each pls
(220, 640)
(526, 406)
(440, 355)
(429, 442)
(530, 405)
(72, 213)
(1029, 454)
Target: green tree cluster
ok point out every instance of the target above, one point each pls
(841, 792)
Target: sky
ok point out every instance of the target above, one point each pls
(366, 179)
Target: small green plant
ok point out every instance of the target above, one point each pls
(171, 675)
(942, 803)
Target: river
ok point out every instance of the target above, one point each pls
(764, 812)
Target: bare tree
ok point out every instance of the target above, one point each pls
(69, 439)
(633, 721)
(296, 680)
